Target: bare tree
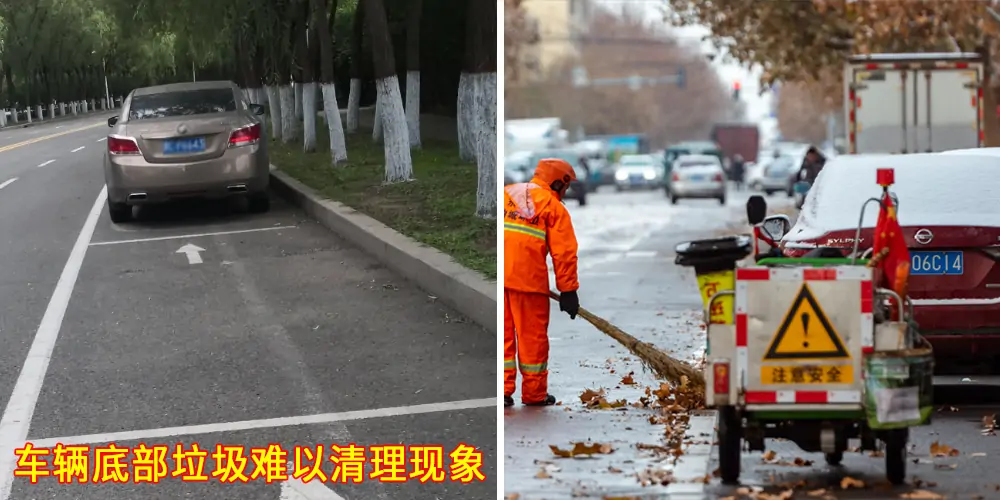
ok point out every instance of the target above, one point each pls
(484, 74)
(357, 42)
(323, 13)
(413, 71)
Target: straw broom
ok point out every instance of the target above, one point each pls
(653, 359)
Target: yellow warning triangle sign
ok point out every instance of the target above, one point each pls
(806, 332)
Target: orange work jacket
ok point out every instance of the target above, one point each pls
(535, 225)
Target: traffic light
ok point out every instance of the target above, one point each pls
(736, 90)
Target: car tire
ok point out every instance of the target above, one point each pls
(120, 212)
(722, 201)
(768, 192)
(673, 199)
(259, 203)
(619, 188)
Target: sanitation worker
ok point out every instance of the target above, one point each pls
(536, 224)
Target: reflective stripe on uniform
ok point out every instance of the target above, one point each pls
(508, 364)
(534, 368)
(524, 229)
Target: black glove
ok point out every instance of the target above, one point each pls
(569, 303)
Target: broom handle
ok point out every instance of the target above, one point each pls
(583, 313)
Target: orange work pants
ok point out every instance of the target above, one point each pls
(526, 337)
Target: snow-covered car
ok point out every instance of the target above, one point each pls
(947, 210)
(974, 152)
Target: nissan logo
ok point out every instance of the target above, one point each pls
(923, 236)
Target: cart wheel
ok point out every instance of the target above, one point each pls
(895, 455)
(834, 458)
(730, 440)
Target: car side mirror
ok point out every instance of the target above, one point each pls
(777, 226)
(756, 209)
(257, 109)
(112, 121)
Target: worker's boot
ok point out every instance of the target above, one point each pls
(508, 401)
(548, 401)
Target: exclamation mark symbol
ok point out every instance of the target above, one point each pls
(805, 329)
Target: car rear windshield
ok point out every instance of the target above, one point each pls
(696, 163)
(182, 103)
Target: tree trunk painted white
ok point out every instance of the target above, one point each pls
(13, 115)
(309, 117)
(38, 111)
(466, 105)
(338, 144)
(289, 124)
(93, 105)
(3, 117)
(257, 95)
(27, 113)
(398, 162)
(413, 107)
(377, 119)
(297, 87)
(275, 105)
(353, 105)
(486, 146)
(52, 110)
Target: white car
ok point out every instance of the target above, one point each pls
(638, 171)
(697, 176)
(973, 152)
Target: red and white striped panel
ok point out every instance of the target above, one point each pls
(802, 397)
(860, 274)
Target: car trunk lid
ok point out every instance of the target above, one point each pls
(184, 139)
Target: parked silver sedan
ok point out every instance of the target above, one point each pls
(697, 176)
(186, 140)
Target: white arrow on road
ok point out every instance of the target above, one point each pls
(297, 489)
(193, 253)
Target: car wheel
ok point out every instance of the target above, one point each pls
(259, 203)
(673, 199)
(722, 200)
(768, 192)
(619, 188)
(119, 212)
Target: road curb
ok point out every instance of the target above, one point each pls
(430, 269)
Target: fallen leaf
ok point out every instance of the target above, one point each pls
(801, 462)
(770, 456)
(876, 453)
(943, 450)
(589, 395)
(512, 496)
(614, 470)
(581, 448)
(850, 482)
(922, 494)
(628, 380)
(543, 474)
(817, 493)
(946, 466)
(990, 422)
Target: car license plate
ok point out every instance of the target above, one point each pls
(806, 374)
(696, 178)
(936, 263)
(186, 145)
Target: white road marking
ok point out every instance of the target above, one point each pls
(16, 418)
(193, 253)
(269, 423)
(7, 182)
(640, 254)
(297, 489)
(199, 235)
(77, 149)
(102, 139)
(45, 163)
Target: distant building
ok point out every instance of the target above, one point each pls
(560, 24)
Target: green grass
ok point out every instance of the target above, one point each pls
(436, 209)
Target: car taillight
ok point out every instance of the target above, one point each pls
(122, 145)
(717, 178)
(720, 377)
(245, 136)
(675, 177)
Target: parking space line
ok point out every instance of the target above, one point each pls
(7, 182)
(184, 236)
(45, 163)
(77, 149)
(267, 423)
(102, 139)
(16, 418)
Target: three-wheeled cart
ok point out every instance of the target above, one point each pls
(807, 350)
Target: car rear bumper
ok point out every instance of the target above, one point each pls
(960, 329)
(698, 190)
(641, 182)
(238, 171)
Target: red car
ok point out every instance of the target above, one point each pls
(949, 209)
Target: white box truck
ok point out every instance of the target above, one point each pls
(914, 103)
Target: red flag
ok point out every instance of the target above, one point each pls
(889, 252)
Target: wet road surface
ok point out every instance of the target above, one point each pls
(628, 276)
(200, 323)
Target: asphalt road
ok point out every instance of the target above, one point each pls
(270, 330)
(628, 277)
